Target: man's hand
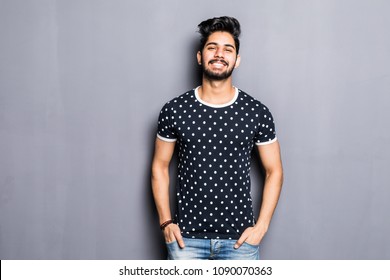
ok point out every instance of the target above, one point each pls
(251, 235)
(172, 233)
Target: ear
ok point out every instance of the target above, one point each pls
(238, 61)
(199, 57)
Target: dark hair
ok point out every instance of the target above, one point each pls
(227, 24)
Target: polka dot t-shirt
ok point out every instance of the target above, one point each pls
(215, 144)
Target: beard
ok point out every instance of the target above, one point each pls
(215, 75)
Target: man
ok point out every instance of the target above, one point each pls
(216, 127)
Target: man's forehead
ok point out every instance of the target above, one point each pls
(220, 38)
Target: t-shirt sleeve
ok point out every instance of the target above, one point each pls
(266, 133)
(166, 129)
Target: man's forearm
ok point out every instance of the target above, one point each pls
(272, 188)
(160, 188)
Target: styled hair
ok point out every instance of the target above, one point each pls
(227, 24)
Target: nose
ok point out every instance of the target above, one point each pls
(219, 53)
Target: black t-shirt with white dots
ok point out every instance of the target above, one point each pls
(215, 144)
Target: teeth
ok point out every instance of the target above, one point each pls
(218, 63)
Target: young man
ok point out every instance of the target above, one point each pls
(216, 127)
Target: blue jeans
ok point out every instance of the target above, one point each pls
(211, 249)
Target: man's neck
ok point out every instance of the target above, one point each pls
(216, 92)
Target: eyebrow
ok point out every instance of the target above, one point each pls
(214, 43)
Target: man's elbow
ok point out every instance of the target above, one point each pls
(276, 174)
(159, 170)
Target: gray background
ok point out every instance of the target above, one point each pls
(81, 86)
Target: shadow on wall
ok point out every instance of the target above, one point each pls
(194, 77)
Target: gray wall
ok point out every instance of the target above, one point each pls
(81, 86)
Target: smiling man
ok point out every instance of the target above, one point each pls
(215, 126)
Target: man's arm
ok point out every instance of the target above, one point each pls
(270, 158)
(160, 186)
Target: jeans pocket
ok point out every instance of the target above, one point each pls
(246, 252)
(251, 245)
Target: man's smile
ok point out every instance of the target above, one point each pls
(218, 63)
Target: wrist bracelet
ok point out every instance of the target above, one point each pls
(165, 224)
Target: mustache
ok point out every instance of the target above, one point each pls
(219, 60)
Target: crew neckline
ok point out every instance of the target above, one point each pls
(216, 105)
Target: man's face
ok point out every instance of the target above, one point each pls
(219, 56)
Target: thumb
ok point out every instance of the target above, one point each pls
(239, 242)
(242, 238)
(180, 241)
(178, 237)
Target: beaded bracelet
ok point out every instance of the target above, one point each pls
(165, 224)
